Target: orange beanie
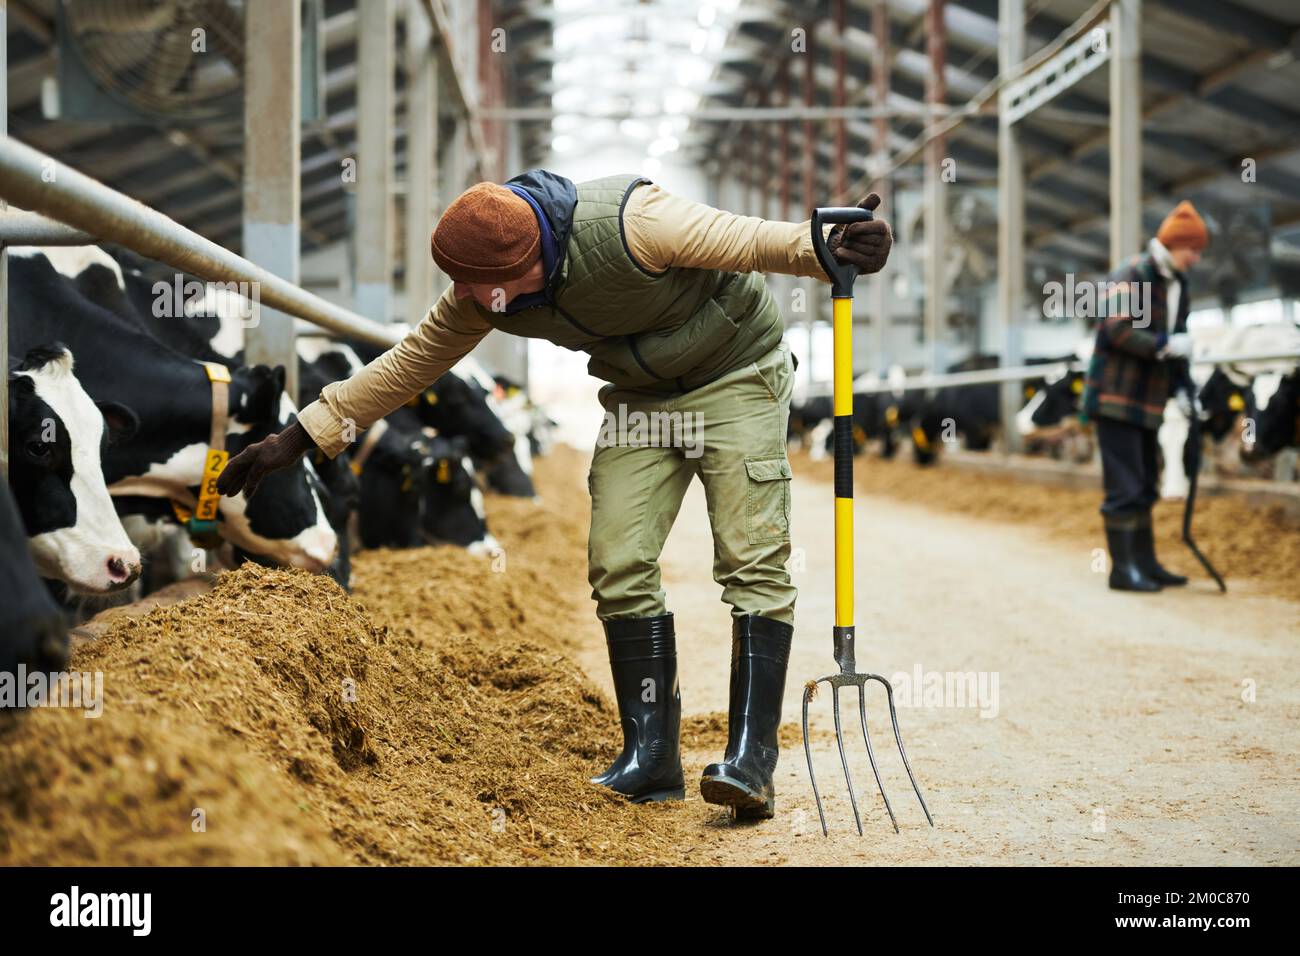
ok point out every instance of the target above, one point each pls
(488, 234)
(1183, 227)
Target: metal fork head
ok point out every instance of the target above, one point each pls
(849, 678)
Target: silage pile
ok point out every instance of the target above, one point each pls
(430, 718)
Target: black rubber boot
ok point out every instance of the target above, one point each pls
(1125, 574)
(1144, 553)
(643, 658)
(760, 650)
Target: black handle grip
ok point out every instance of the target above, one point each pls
(841, 274)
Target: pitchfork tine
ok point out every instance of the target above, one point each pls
(807, 751)
(871, 754)
(898, 737)
(844, 760)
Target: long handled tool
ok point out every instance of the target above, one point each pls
(842, 276)
(1192, 465)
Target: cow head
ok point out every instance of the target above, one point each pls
(453, 504)
(285, 520)
(258, 390)
(459, 408)
(57, 436)
(1222, 403)
(393, 489)
(1273, 404)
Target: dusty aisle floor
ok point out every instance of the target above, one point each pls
(1120, 733)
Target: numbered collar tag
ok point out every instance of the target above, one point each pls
(209, 497)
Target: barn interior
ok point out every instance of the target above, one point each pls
(1021, 150)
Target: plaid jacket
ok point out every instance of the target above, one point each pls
(1125, 379)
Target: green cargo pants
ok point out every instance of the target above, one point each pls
(731, 433)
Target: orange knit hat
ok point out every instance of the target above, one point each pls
(1183, 227)
(488, 234)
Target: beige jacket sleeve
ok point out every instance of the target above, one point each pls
(448, 333)
(665, 231)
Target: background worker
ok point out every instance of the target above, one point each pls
(666, 297)
(1129, 383)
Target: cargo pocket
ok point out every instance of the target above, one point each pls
(767, 506)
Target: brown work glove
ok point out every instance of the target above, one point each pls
(246, 470)
(863, 244)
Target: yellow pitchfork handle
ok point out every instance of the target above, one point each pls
(841, 275)
(843, 408)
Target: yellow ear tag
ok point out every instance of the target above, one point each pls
(444, 471)
(1236, 403)
(1030, 391)
(1077, 386)
(918, 436)
(891, 415)
(430, 397)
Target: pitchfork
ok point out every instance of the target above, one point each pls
(842, 276)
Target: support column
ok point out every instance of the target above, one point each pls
(936, 199)
(421, 161)
(374, 225)
(272, 123)
(1125, 129)
(1010, 318)
(880, 71)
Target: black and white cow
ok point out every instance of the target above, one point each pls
(117, 361)
(510, 473)
(1273, 409)
(1049, 420)
(453, 511)
(32, 630)
(974, 411)
(57, 435)
(416, 487)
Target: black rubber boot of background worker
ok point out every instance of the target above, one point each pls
(1125, 573)
(1145, 555)
(643, 659)
(760, 651)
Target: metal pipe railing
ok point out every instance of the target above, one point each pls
(1019, 373)
(19, 228)
(33, 181)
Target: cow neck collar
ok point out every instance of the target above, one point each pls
(219, 380)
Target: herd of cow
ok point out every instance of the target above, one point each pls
(1249, 410)
(112, 421)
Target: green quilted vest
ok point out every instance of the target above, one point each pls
(671, 332)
